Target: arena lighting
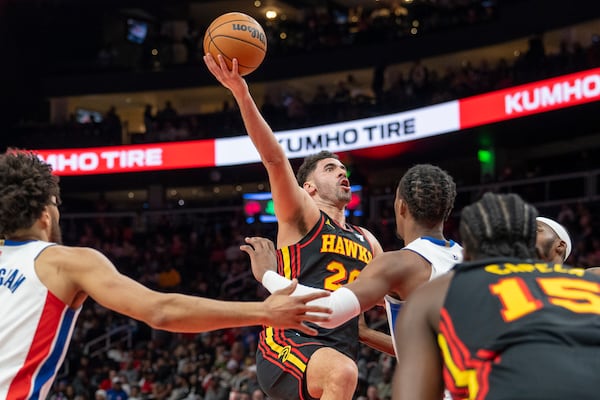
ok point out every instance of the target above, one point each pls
(515, 102)
(259, 206)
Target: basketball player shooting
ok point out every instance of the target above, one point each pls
(311, 223)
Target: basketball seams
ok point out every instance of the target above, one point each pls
(231, 58)
(237, 39)
(222, 37)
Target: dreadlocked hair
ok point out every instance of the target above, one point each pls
(26, 187)
(499, 225)
(429, 193)
(310, 163)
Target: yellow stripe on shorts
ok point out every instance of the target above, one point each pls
(284, 353)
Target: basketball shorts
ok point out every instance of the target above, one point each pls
(281, 362)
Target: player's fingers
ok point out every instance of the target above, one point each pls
(247, 248)
(315, 295)
(321, 315)
(210, 62)
(253, 241)
(289, 289)
(307, 329)
(222, 63)
(260, 243)
(314, 311)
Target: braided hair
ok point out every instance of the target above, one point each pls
(429, 193)
(26, 187)
(499, 225)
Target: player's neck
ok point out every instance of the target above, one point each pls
(24, 238)
(417, 231)
(25, 235)
(335, 213)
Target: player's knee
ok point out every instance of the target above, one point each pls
(344, 372)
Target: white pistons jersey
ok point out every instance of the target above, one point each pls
(441, 254)
(35, 326)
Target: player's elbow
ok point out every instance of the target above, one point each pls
(159, 313)
(158, 319)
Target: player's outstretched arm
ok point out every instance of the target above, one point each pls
(282, 311)
(342, 302)
(92, 274)
(375, 339)
(289, 199)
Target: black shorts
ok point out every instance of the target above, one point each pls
(281, 362)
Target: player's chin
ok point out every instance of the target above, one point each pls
(345, 196)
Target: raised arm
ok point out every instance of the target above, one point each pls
(289, 199)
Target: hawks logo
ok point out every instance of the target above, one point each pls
(329, 224)
(331, 243)
(285, 353)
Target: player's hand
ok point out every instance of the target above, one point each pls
(292, 312)
(230, 78)
(262, 254)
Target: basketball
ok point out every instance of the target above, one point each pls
(236, 35)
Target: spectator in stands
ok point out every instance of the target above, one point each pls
(181, 388)
(169, 278)
(116, 391)
(167, 114)
(341, 99)
(258, 395)
(112, 127)
(149, 120)
(320, 105)
(135, 393)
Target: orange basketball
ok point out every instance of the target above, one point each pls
(237, 35)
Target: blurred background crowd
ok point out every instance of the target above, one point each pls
(112, 72)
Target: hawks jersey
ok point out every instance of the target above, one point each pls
(328, 257)
(441, 254)
(35, 326)
(516, 330)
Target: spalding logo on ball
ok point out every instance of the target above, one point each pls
(237, 35)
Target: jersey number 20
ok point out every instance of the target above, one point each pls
(340, 276)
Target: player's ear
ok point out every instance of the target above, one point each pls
(309, 187)
(45, 219)
(403, 207)
(561, 248)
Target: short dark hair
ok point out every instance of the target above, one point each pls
(26, 187)
(499, 225)
(310, 163)
(429, 192)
